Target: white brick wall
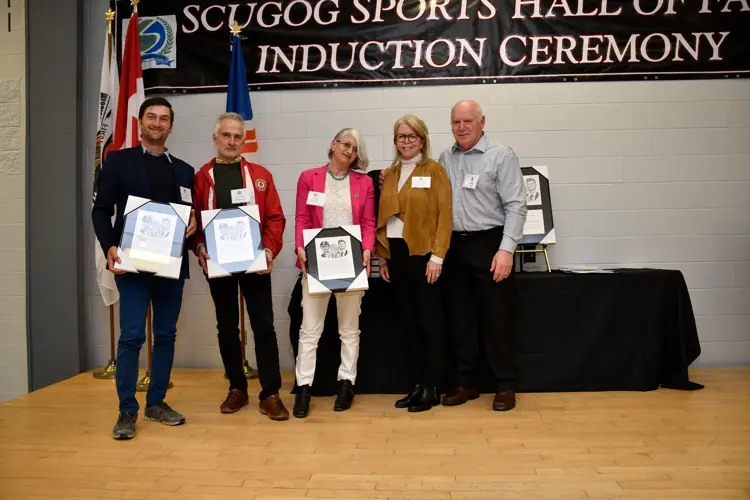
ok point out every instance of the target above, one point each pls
(13, 369)
(650, 174)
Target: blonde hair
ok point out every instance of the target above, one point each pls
(420, 128)
(229, 116)
(362, 159)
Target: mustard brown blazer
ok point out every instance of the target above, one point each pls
(429, 212)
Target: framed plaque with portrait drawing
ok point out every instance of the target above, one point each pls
(334, 260)
(233, 241)
(539, 228)
(153, 237)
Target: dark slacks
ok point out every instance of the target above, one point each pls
(256, 288)
(479, 309)
(420, 312)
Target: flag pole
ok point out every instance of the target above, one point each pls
(146, 380)
(108, 372)
(250, 373)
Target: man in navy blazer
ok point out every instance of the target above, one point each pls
(148, 171)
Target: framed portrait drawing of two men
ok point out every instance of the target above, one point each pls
(334, 259)
(233, 241)
(153, 237)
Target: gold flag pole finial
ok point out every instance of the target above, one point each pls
(110, 16)
(134, 3)
(235, 28)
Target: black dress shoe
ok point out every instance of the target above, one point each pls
(428, 397)
(302, 402)
(345, 396)
(410, 398)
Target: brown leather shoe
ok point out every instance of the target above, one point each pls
(504, 400)
(274, 408)
(459, 396)
(236, 399)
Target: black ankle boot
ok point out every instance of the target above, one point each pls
(428, 397)
(345, 396)
(302, 402)
(410, 398)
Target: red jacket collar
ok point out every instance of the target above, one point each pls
(205, 170)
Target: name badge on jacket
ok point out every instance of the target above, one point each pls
(186, 195)
(421, 182)
(470, 181)
(240, 196)
(316, 198)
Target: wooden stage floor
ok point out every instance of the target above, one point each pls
(56, 443)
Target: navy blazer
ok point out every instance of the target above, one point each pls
(123, 174)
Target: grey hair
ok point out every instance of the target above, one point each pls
(229, 116)
(362, 159)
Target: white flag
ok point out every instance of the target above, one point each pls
(107, 109)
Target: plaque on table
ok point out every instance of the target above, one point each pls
(539, 228)
(153, 237)
(233, 241)
(334, 260)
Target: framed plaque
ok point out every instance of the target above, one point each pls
(334, 260)
(153, 237)
(233, 241)
(539, 228)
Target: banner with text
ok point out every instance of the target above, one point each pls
(185, 44)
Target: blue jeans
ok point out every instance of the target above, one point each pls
(136, 291)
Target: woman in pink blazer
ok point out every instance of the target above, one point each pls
(333, 195)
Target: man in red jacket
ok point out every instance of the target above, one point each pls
(221, 183)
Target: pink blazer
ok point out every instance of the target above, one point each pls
(311, 216)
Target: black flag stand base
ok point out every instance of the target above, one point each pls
(146, 380)
(108, 372)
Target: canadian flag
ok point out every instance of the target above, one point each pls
(131, 96)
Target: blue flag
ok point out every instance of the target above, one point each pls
(238, 96)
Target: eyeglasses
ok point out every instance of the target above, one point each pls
(402, 138)
(348, 145)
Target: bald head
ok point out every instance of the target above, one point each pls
(467, 123)
(468, 106)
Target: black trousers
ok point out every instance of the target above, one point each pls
(256, 288)
(420, 309)
(479, 309)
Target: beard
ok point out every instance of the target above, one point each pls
(154, 135)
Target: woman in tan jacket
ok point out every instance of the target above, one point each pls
(413, 235)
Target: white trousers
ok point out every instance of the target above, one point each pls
(314, 308)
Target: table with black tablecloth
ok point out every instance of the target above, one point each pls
(630, 330)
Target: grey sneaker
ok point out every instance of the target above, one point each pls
(125, 426)
(163, 413)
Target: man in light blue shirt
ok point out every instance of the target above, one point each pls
(489, 212)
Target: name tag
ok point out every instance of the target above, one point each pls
(315, 198)
(470, 181)
(421, 182)
(240, 196)
(186, 195)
